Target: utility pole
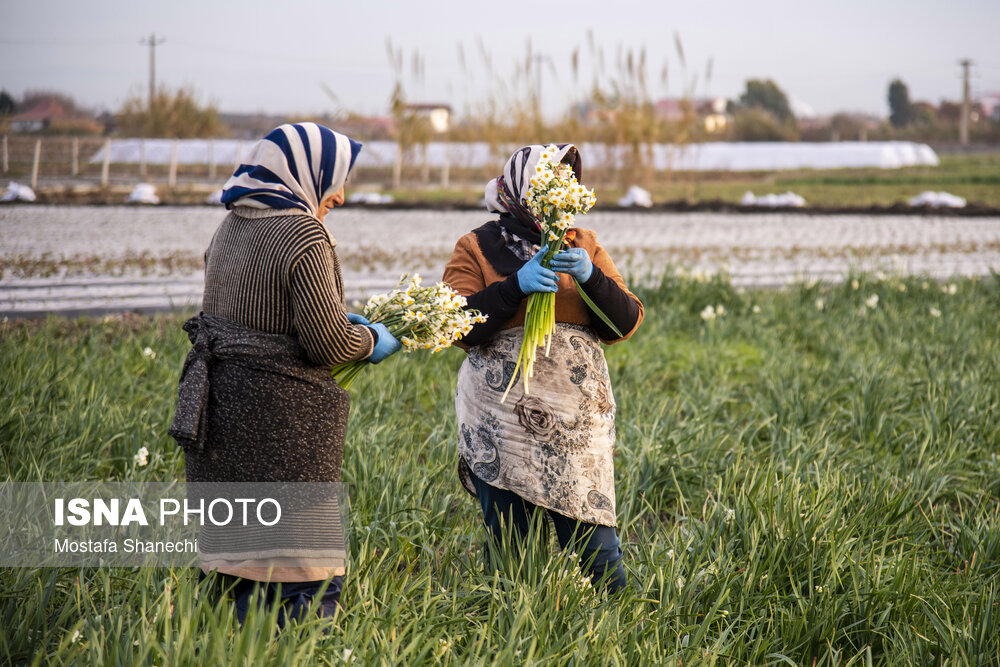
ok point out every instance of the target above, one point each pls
(963, 121)
(153, 42)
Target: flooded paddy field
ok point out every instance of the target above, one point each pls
(94, 259)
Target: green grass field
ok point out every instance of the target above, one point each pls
(811, 478)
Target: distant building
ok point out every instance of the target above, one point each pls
(711, 111)
(366, 128)
(39, 117)
(674, 109)
(714, 115)
(439, 115)
(991, 106)
(50, 116)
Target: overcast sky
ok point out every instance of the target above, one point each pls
(278, 56)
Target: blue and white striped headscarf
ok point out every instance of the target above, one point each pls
(294, 166)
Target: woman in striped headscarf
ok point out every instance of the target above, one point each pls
(551, 450)
(257, 402)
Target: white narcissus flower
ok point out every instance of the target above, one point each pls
(708, 314)
(855, 284)
(423, 318)
(935, 312)
(720, 310)
(148, 353)
(141, 457)
(872, 301)
(819, 304)
(755, 309)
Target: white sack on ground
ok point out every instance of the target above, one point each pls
(144, 193)
(938, 200)
(18, 192)
(636, 196)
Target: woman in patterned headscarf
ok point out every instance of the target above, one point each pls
(551, 449)
(257, 402)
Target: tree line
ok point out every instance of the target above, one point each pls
(621, 113)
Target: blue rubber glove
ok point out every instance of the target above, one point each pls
(386, 346)
(574, 261)
(354, 318)
(533, 277)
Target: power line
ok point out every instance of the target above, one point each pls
(58, 42)
(264, 57)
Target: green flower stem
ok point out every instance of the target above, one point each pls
(344, 374)
(539, 324)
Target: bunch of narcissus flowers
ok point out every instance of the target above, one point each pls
(555, 198)
(422, 318)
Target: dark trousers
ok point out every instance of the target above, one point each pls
(293, 598)
(598, 546)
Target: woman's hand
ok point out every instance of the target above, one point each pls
(533, 277)
(574, 261)
(385, 346)
(354, 318)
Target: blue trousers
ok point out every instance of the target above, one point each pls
(293, 598)
(598, 546)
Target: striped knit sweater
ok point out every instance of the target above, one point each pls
(277, 271)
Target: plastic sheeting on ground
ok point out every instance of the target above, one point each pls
(938, 200)
(717, 156)
(369, 198)
(787, 199)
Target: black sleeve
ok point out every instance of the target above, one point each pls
(613, 301)
(499, 302)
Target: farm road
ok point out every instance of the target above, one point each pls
(90, 260)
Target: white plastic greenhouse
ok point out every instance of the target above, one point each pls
(721, 156)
